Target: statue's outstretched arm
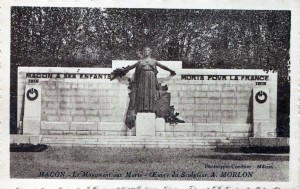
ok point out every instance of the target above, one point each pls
(120, 72)
(165, 68)
(131, 67)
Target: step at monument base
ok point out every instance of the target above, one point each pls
(143, 142)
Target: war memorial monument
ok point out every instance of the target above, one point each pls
(150, 94)
(71, 106)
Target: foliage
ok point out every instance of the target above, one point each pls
(60, 36)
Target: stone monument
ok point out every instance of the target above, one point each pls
(147, 97)
(218, 106)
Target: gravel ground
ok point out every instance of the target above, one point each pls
(148, 164)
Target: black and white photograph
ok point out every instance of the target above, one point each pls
(151, 94)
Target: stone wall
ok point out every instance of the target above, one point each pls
(94, 105)
(83, 102)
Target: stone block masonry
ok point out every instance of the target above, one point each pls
(85, 102)
(222, 101)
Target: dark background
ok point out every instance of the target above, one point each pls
(208, 39)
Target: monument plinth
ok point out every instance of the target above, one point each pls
(145, 124)
(32, 110)
(264, 133)
(261, 113)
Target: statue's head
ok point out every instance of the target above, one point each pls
(147, 51)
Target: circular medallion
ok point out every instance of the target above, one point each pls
(261, 97)
(32, 94)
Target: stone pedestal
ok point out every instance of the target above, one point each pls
(262, 126)
(263, 130)
(32, 110)
(145, 124)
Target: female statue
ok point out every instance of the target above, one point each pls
(144, 87)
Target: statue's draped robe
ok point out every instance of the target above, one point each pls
(144, 90)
